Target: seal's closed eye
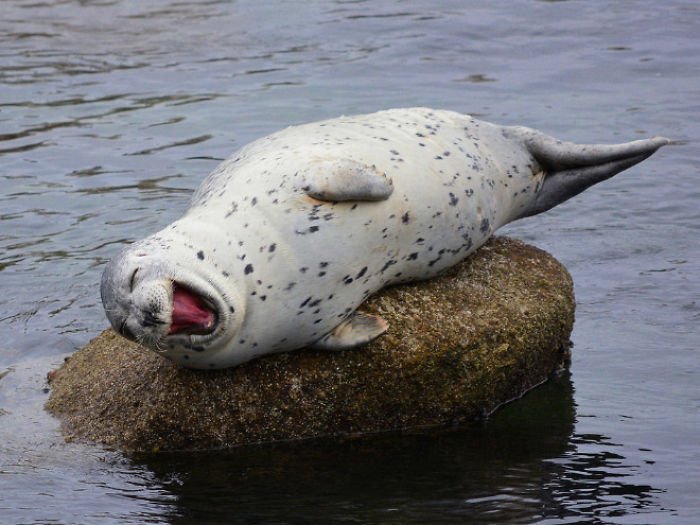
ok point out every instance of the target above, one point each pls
(132, 280)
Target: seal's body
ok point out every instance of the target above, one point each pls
(284, 240)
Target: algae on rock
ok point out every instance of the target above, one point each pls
(458, 347)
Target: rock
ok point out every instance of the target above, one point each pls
(458, 347)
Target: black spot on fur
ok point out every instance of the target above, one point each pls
(405, 218)
(413, 256)
(248, 269)
(272, 247)
(484, 225)
(312, 229)
(387, 264)
(453, 199)
(431, 263)
(361, 273)
(200, 255)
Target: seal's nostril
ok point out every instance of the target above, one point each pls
(133, 280)
(150, 319)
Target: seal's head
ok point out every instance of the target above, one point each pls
(150, 296)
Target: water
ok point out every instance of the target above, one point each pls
(112, 111)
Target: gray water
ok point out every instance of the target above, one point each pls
(112, 111)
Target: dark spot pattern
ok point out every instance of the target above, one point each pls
(386, 266)
(484, 226)
(429, 236)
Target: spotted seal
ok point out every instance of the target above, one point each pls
(285, 239)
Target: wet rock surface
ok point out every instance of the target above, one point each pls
(458, 347)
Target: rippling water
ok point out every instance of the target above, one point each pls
(112, 111)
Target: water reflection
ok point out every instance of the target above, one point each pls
(526, 463)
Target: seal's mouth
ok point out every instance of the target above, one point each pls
(193, 314)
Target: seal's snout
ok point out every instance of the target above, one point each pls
(191, 313)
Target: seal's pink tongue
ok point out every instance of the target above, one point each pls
(190, 315)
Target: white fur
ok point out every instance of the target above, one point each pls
(255, 240)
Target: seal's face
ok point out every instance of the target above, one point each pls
(179, 312)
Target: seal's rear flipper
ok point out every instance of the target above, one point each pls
(571, 168)
(356, 330)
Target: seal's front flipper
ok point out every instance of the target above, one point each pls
(571, 168)
(346, 180)
(356, 330)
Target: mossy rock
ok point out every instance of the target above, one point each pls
(458, 347)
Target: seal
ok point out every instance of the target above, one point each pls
(284, 240)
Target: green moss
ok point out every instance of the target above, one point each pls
(458, 347)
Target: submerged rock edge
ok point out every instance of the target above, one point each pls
(459, 346)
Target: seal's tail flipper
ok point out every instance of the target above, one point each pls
(571, 168)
